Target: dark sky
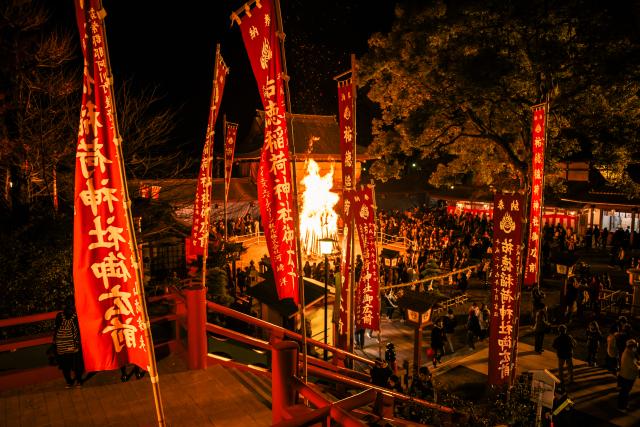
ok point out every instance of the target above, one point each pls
(172, 45)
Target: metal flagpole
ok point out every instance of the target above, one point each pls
(153, 369)
(296, 219)
(224, 161)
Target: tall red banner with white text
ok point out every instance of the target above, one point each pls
(505, 287)
(258, 27)
(108, 304)
(537, 188)
(345, 269)
(229, 148)
(202, 205)
(346, 112)
(367, 299)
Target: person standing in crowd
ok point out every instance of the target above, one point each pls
(380, 373)
(624, 334)
(449, 322)
(390, 357)
(604, 238)
(484, 317)
(564, 344)
(628, 373)
(594, 337)
(540, 327)
(66, 338)
(359, 338)
(422, 387)
(473, 326)
(437, 342)
(611, 359)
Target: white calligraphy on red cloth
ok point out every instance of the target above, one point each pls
(367, 300)
(505, 286)
(229, 148)
(345, 268)
(109, 307)
(275, 195)
(346, 112)
(202, 205)
(537, 187)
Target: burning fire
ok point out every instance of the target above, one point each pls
(318, 218)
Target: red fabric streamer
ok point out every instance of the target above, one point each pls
(275, 196)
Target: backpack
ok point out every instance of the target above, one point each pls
(66, 337)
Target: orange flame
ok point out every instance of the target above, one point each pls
(318, 218)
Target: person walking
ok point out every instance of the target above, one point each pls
(564, 344)
(628, 373)
(594, 337)
(540, 327)
(66, 338)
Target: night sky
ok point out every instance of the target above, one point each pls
(172, 45)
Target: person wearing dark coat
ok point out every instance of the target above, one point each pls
(380, 373)
(594, 337)
(564, 345)
(540, 327)
(437, 342)
(390, 357)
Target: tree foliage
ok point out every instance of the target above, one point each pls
(455, 81)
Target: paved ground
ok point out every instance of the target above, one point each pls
(217, 396)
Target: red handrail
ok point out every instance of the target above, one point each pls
(40, 317)
(283, 332)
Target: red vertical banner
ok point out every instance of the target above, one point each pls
(505, 286)
(346, 109)
(108, 303)
(229, 148)
(258, 27)
(202, 205)
(345, 268)
(367, 299)
(346, 112)
(537, 188)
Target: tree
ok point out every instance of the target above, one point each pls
(41, 75)
(40, 86)
(147, 125)
(455, 81)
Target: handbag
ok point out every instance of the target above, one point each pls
(52, 355)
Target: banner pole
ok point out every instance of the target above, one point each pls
(539, 243)
(296, 218)
(224, 161)
(153, 369)
(352, 272)
(210, 127)
(375, 223)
